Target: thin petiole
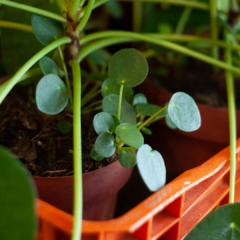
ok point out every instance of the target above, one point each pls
(17, 26)
(92, 109)
(34, 10)
(150, 118)
(120, 101)
(92, 104)
(66, 75)
(77, 153)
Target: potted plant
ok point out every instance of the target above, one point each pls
(118, 128)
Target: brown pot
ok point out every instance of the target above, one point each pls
(179, 148)
(100, 188)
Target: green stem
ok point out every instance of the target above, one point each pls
(183, 20)
(137, 16)
(18, 26)
(93, 92)
(82, 2)
(232, 127)
(84, 86)
(234, 4)
(66, 75)
(125, 149)
(74, 10)
(33, 10)
(214, 30)
(62, 7)
(86, 16)
(77, 153)
(91, 105)
(137, 36)
(152, 117)
(120, 101)
(17, 76)
(92, 109)
(197, 5)
(171, 37)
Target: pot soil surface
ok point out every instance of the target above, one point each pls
(34, 137)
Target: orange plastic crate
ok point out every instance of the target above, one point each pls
(169, 214)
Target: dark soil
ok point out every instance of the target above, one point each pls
(196, 78)
(34, 137)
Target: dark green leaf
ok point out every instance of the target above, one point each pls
(222, 223)
(105, 145)
(147, 131)
(48, 66)
(46, 30)
(95, 155)
(184, 112)
(128, 67)
(18, 220)
(101, 57)
(64, 127)
(127, 158)
(130, 135)
(139, 98)
(51, 94)
(103, 122)
(147, 109)
(19, 46)
(151, 167)
(110, 105)
(110, 87)
(114, 8)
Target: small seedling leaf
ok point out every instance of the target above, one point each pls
(110, 87)
(103, 122)
(184, 112)
(127, 158)
(64, 127)
(17, 202)
(48, 66)
(51, 94)
(151, 167)
(139, 98)
(147, 109)
(110, 105)
(222, 223)
(101, 57)
(128, 67)
(104, 145)
(147, 131)
(130, 135)
(46, 30)
(95, 156)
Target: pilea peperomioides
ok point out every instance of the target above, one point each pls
(119, 125)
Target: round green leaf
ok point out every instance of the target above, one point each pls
(130, 135)
(95, 156)
(101, 57)
(110, 105)
(51, 94)
(127, 158)
(222, 223)
(147, 131)
(184, 112)
(64, 127)
(104, 145)
(48, 66)
(151, 167)
(110, 87)
(147, 109)
(139, 98)
(170, 123)
(128, 67)
(45, 29)
(18, 219)
(103, 122)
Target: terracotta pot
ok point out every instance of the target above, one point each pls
(170, 213)
(179, 148)
(100, 188)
